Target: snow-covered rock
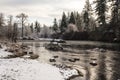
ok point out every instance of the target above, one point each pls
(4, 53)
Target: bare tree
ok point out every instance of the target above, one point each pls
(22, 17)
(15, 32)
(10, 26)
(2, 29)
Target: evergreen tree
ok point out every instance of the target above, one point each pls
(115, 20)
(55, 25)
(86, 21)
(78, 21)
(31, 27)
(87, 15)
(1, 19)
(63, 25)
(72, 19)
(100, 10)
(37, 27)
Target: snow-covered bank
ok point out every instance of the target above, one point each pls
(21, 69)
(27, 69)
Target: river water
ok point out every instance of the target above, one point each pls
(108, 62)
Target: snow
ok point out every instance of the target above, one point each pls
(27, 69)
(68, 73)
(4, 53)
(21, 69)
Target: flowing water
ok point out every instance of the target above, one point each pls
(108, 62)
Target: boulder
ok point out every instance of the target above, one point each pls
(52, 60)
(93, 63)
(34, 56)
(77, 59)
(30, 52)
(54, 47)
(72, 60)
(102, 50)
(55, 56)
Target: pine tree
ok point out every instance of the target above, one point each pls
(100, 10)
(63, 25)
(115, 20)
(86, 21)
(55, 25)
(78, 21)
(87, 15)
(31, 27)
(1, 19)
(37, 27)
(72, 19)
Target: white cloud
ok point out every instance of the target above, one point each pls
(41, 10)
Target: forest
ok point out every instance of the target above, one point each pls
(99, 21)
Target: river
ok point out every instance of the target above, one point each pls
(108, 62)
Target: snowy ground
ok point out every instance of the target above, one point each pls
(21, 69)
(26, 69)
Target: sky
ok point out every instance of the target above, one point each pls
(43, 11)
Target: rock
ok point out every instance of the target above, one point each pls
(72, 60)
(30, 52)
(93, 63)
(11, 56)
(54, 47)
(102, 50)
(25, 52)
(52, 60)
(34, 56)
(77, 59)
(76, 77)
(19, 54)
(0, 46)
(64, 59)
(96, 49)
(10, 50)
(24, 46)
(93, 59)
(55, 56)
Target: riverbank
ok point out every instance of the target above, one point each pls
(92, 45)
(81, 44)
(22, 68)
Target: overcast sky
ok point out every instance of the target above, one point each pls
(42, 10)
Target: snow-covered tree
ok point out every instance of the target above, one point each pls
(72, 28)
(55, 26)
(10, 27)
(101, 9)
(72, 19)
(22, 17)
(63, 25)
(37, 27)
(115, 17)
(1, 19)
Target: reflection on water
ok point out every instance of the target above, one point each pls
(108, 67)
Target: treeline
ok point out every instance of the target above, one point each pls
(18, 27)
(101, 23)
(98, 23)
